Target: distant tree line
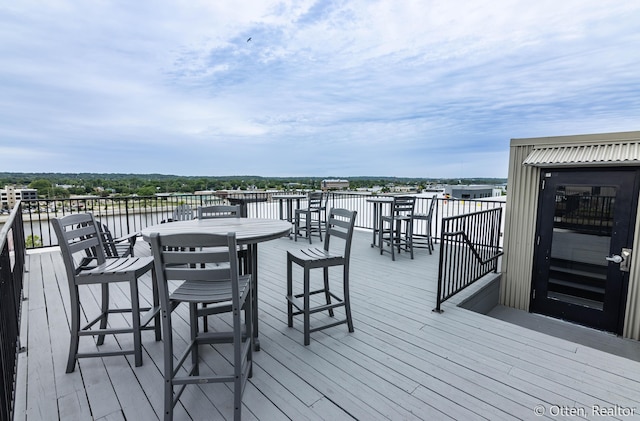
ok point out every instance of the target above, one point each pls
(59, 185)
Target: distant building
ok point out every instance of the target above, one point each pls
(439, 191)
(335, 184)
(10, 195)
(472, 192)
(402, 189)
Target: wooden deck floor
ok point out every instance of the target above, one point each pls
(402, 361)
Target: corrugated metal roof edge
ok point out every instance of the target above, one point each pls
(581, 139)
(620, 153)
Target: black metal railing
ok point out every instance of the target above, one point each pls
(125, 215)
(12, 259)
(469, 249)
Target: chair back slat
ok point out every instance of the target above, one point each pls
(78, 233)
(219, 211)
(338, 227)
(195, 257)
(179, 257)
(341, 224)
(196, 273)
(82, 230)
(315, 200)
(83, 244)
(183, 213)
(337, 233)
(403, 205)
(432, 206)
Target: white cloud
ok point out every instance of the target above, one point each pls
(353, 83)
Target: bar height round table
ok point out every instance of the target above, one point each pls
(378, 203)
(249, 232)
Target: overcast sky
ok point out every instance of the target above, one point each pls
(308, 88)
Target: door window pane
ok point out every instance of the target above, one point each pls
(583, 220)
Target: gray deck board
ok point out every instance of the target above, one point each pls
(402, 362)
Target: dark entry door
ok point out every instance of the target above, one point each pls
(585, 233)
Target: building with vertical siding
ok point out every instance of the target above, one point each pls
(572, 239)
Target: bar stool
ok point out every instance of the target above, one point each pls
(425, 240)
(309, 219)
(340, 225)
(401, 217)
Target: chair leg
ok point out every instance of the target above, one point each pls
(248, 320)
(238, 353)
(244, 261)
(205, 320)
(168, 365)
(297, 226)
(327, 295)
(135, 322)
(399, 239)
(410, 236)
(104, 308)
(75, 328)
(289, 292)
(193, 327)
(307, 305)
(305, 308)
(308, 225)
(156, 304)
(381, 237)
(237, 364)
(237, 396)
(392, 242)
(347, 301)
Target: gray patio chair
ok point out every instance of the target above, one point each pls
(86, 264)
(225, 211)
(207, 268)
(117, 247)
(425, 240)
(401, 214)
(182, 213)
(309, 219)
(340, 225)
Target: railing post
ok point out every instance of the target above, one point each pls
(126, 212)
(438, 308)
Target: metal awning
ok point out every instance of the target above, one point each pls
(627, 153)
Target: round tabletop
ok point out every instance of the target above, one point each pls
(380, 200)
(248, 230)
